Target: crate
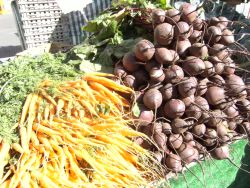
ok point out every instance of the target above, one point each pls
(41, 22)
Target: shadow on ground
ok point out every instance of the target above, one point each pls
(8, 51)
(242, 179)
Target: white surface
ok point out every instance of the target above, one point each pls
(73, 5)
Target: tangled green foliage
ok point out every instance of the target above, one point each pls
(20, 77)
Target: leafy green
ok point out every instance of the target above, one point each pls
(20, 77)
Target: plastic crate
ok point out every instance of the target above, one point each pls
(41, 21)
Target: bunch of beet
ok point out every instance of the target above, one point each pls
(191, 101)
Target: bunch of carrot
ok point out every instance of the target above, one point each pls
(76, 134)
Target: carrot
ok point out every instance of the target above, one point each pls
(25, 182)
(43, 180)
(107, 83)
(5, 184)
(25, 109)
(59, 107)
(42, 129)
(4, 157)
(48, 97)
(46, 112)
(23, 135)
(17, 147)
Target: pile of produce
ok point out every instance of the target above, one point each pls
(189, 99)
(76, 134)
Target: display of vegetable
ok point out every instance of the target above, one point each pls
(188, 83)
(77, 136)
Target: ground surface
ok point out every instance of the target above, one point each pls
(9, 41)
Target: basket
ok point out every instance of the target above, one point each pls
(41, 22)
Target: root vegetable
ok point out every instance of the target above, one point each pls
(202, 87)
(220, 51)
(174, 108)
(235, 85)
(187, 87)
(210, 133)
(189, 13)
(157, 75)
(175, 141)
(216, 118)
(209, 142)
(156, 127)
(193, 111)
(129, 62)
(161, 140)
(179, 126)
(174, 14)
(199, 50)
(182, 30)
(227, 37)
(168, 92)
(130, 81)
(213, 34)
(209, 69)
(188, 100)
(152, 64)
(221, 152)
(198, 24)
(231, 111)
(165, 56)
(188, 154)
(223, 20)
(174, 74)
(215, 95)
(163, 34)
(244, 128)
(119, 71)
(243, 105)
(146, 116)
(195, 36)
(141, 77)
(152, 99)
(199, 130)
(173, 162)
(229, 68)
(182, 46)
(187, 136)
(144, 50)
(166, 128)
(217, 80)
(193, 66)
(158, 16)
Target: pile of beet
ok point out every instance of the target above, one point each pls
(191, 101)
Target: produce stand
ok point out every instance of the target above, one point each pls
(205, 173)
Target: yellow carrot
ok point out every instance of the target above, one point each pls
(17, 147)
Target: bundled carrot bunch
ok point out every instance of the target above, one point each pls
(76, 134)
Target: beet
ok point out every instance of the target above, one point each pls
(216, 118)
(158, 156)
(157, 75)
(210, 133)
(174, 14)
(165, 56)
(198, 24)
(217, 80)
(141, 77)
(161, 140)
(182, 30)
(174, 108)
(182, 46)
(187, 136)
(193, 111)
(187, 87)
(202, 103)
(235, 85)
(227, 37)
(199, 130)
(156, 127)
(195, 36)
(163, 34)
(188, 100)
(144, 50)
(179, 126)
(174, 74)
(129, 81)
(209, 142)
(193, 66)
(152, 64)
(175, 141)
(232, 125)
(202, 87)
(173, 162)
(199, 50)
(189, 13)
(223, 20)
(158, 16)
(120, 71)
(215, 95)
(166, 128)
(222, 130)
(209, 69)
(214, 21)
(244, 128)
(152, 99)
(129, 62)
(146, 116)
(188, 154)
(231, 111)
(243, 105)
(229, 68)
(213, 34)
(168, 92)
(220, 51)
(221, 152)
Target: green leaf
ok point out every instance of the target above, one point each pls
(136, 110)
(87, 66)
